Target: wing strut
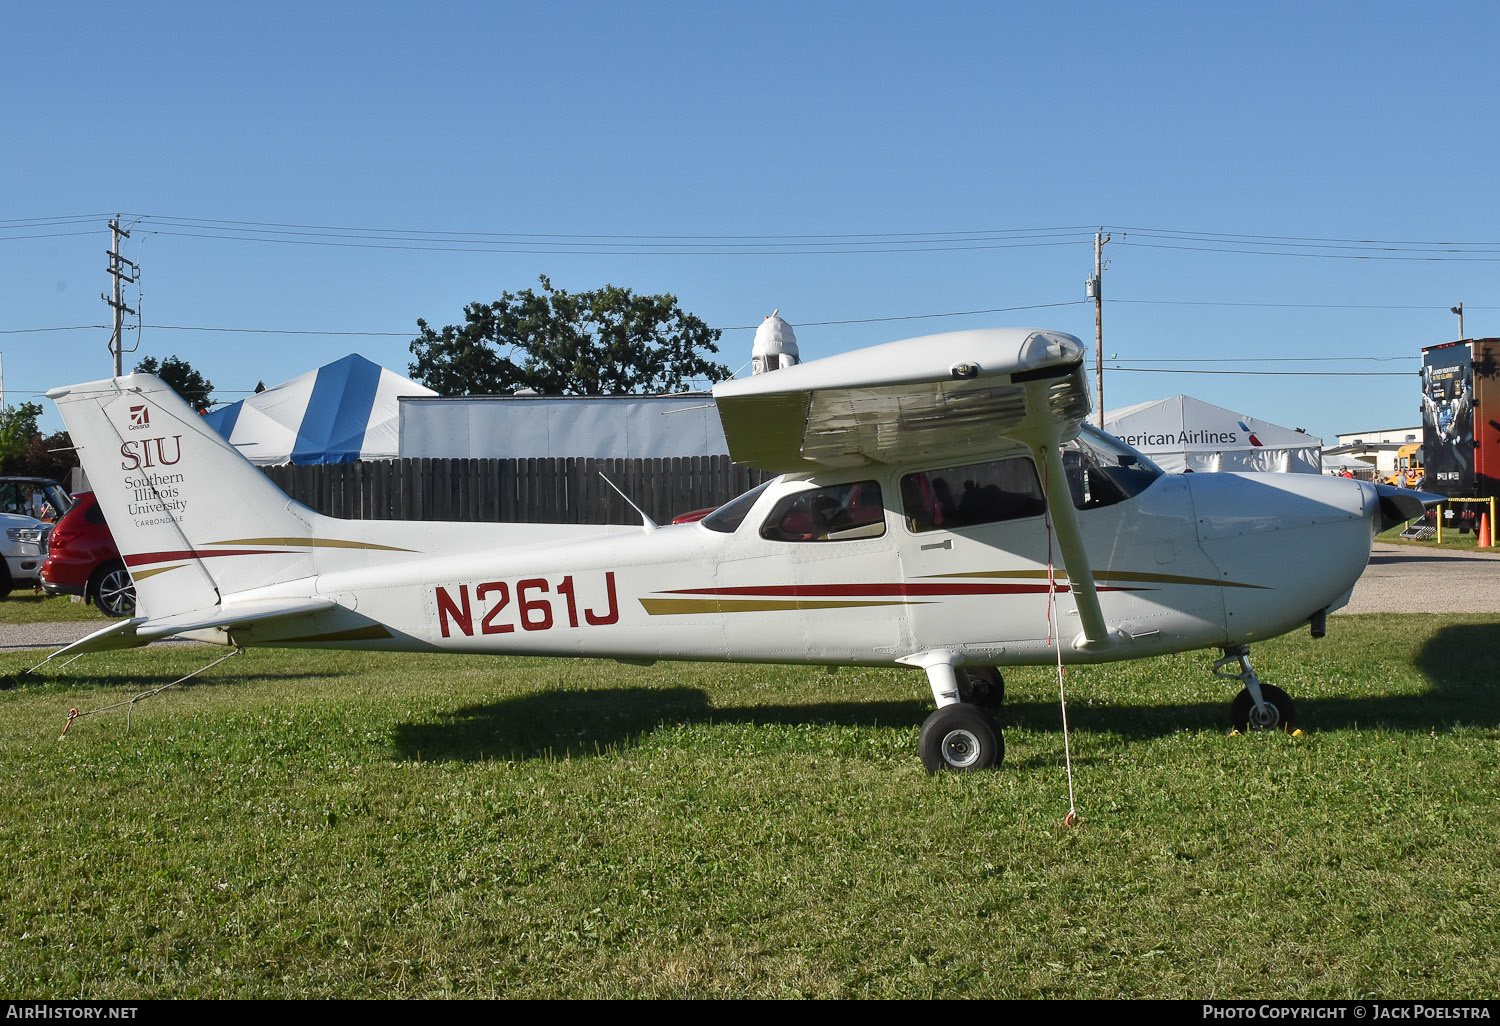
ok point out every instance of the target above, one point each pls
(1096, 633)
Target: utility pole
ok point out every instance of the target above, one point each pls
(1095, 290)
(1459, 309)
(122, 277)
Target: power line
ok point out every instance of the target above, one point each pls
(1266, 359)
(47, 235)
(1450, 256)
(338, 231)
(413, 333)
(915, 317)
(785, 244)
(1290, 374)
(561, 248)
(1296, 306)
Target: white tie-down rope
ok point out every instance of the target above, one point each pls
(74, 714)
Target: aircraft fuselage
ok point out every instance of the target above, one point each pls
(1192, 561)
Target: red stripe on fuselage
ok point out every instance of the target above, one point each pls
(147, 558)
(874, 590)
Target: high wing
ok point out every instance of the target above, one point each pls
(963, 393)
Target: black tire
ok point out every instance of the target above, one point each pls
(986, 687)
(1283, 712)
(961, 738)
(112, 590)
(6, 584)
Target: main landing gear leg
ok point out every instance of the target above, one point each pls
(1259, 706)
(960, 735)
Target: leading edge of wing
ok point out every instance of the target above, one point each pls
(952, 394)
(141, 630)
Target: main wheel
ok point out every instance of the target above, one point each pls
(113, 591)
(986, 687)
(1279, 713)
(960, 737)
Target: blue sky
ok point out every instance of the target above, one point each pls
(964, 152)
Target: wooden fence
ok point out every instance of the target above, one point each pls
(557, 491)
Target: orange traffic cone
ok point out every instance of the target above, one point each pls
(1484, 530)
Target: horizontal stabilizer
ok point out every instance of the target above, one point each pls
(140, 630)
(235, 615)
(116, 635)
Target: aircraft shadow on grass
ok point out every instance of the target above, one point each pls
(145, 681)
(1377, 559)
(1461, 662)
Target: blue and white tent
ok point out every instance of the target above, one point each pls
(339, 413)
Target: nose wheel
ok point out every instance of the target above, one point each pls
(1258, 706)
(1275, 713)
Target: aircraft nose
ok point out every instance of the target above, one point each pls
(1286, 545)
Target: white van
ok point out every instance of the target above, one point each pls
(29, 506)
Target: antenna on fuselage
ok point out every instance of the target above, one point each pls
(646, 521)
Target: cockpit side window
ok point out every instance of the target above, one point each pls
(979, 493)
(831, 513)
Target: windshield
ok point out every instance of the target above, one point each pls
(728, 517)
(1102, 470)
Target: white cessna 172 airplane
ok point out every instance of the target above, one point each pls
(928, 488)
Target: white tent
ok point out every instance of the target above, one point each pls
(342, 412)
(1182, 433)
(1340, 462)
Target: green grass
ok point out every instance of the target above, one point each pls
(358, 825)
(1451, 540)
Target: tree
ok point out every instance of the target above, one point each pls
(606, 342)
(17, 431)
(49, 456)
(186, 382)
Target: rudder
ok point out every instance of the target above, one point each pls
(193, 519)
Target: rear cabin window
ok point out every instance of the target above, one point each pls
(980, 493)
(834, 513)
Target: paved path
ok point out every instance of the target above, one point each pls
(1416, 579)
(45, 635)
(1399, 579)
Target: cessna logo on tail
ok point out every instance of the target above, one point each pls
(140, 417)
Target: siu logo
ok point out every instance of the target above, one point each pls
(142, 453)
(140, 417)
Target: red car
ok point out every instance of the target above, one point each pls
(82, 560)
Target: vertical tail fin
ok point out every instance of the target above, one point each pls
(193, 519)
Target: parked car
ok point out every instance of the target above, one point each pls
(82, 560)
(28, 505)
